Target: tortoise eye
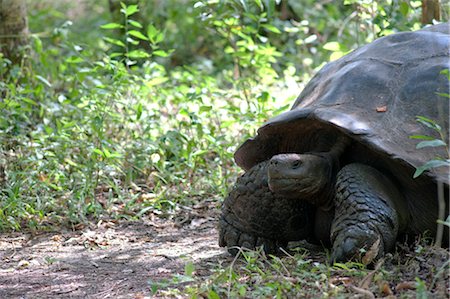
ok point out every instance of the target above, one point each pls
(296, 164)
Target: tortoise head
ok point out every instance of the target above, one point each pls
(304, 176)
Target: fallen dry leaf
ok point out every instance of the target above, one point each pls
(335, 281)
(385, 289)
(406, 285)
(372, 253)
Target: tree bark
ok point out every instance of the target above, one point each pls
(13, 29)
(430, 11)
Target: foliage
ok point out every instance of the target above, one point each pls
(430, 141)
(120, 119)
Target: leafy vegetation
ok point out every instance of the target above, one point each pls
(118, 123)
(252, 274)
(117, 118)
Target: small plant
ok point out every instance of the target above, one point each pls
(441, 141)
(132, 36)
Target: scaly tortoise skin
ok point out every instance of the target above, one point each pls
(337, 168)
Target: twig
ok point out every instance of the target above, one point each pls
(441, 215)
(364, 292)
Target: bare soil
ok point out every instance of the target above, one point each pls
(107, 260)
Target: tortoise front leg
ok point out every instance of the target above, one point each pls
(368, 216)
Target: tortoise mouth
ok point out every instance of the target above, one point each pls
(282, 184)
(294, 187)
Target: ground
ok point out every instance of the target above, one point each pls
(130, 259)
(110, 259)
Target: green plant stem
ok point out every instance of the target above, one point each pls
(441, 214)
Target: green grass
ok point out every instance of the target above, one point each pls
(411, 272)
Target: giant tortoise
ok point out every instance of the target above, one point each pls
(338, 168)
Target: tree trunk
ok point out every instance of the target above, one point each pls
(430, 11)
(13, 29)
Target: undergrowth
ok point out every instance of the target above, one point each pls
(410, 272)
(111, 119)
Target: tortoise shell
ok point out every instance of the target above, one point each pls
(373, 95)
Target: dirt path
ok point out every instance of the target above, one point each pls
(109, 260)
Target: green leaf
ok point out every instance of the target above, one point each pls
(156, 81)
(138, 111)
(152, 32)
(74, 59)
(158, 38)
(111, 26)
(136, 54)
(332, 46)
(160, 53)
(404, 8)
(443, 94)
(446, 73)
(205, 108)
(423, 137)
(271, 28)
(260, 4)
(244, 4)
(29, 101)
(132, 41)
(135, 24)
(43, 80)
(189, 269)
(106, 153)
(98, 151)
(213, 295)
(130, 10)
(37, 43)
(430, 165)
(114, 41)
(428, 123)
(430, 143)
(137, 34)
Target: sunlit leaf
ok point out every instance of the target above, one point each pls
(43, 80)
(332, 46)
(160, 53)
(114, 41)
(271, 28)
(423, 137)
(74, 59)
(130, 10)
(151, 32)
(136, 54)
(156, 81)
(135, 23)
(137, 34)
(111, 26)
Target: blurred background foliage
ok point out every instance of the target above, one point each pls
(118, 110)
